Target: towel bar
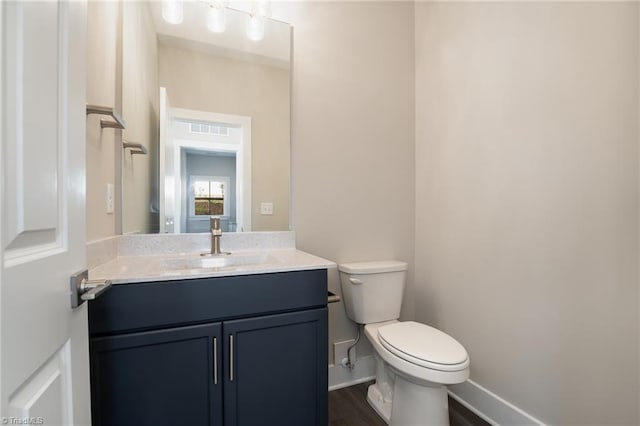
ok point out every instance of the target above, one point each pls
(117, 124)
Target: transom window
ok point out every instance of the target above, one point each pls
(208, 129)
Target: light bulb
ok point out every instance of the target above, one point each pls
(255, 27)
(263, 8)
(172, 11)
(217, 17)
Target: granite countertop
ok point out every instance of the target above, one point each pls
(166, 267)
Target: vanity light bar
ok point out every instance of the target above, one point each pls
(173, 13)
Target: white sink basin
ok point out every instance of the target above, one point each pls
(220, 261)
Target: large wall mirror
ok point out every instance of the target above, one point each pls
(207, 105)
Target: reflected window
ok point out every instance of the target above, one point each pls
(209, 196)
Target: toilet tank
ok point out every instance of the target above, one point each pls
(372, 291)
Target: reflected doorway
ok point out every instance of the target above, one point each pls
(209, 185)
(205, 170)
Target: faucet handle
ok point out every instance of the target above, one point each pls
(215, 223)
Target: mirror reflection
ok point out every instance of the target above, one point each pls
(212, 110)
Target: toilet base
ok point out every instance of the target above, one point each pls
(403, 402)
(412, 405)
(377, 402)
(417, 405)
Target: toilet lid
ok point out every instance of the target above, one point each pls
(423, 345)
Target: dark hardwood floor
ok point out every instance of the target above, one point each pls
(349, 407)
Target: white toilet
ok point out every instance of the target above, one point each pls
(414, 362)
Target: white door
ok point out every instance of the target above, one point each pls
(44, 359)
(169, 223)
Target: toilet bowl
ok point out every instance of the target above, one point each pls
(414, 362)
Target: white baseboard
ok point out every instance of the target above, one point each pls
(489, 406)
(342, 377)
(481, 401)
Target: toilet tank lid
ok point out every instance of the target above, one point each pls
(376, 267)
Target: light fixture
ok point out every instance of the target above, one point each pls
(255, 27)
(217, 16)
(255, 21)
(263, 8)
(172, 11)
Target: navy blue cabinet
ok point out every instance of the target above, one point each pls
(276, 372)
(263, 362)
(160, 377)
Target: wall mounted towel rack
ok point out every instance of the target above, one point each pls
(136, 148)
(118, 122)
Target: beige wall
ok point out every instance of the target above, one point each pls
(103, 89)
(140, 108)
(352, 135)
(201, 81)
(527, 199)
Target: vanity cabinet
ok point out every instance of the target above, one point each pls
(160, 377)
(247, 350)
(279, 362)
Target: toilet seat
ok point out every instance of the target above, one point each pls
(411, 370)
(423, 345)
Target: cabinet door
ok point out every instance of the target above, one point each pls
(162, 377)
(276, 370)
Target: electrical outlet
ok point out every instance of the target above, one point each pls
(340, 352)
(266, 209)
(110, 202)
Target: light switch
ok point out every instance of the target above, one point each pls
(110, 198)
(266, 208)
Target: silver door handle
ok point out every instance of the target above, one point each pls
(90, 289)
(82, 288)
(231, 357)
